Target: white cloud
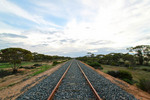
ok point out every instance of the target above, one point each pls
(8, 7)
(92, 51)
(115, 21)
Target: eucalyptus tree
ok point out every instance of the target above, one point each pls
(140, 51)
(14, 56)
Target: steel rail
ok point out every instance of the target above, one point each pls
(56, 87)
(94, 91)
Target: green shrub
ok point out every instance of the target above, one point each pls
(127, 63)
(145, 69)
(30, 67)
(114, 64)
(128, 81)
(144, 85)
(55, 63)
(113, 73)
(4, 73)
(37, 65)
(95, 65)
(122, 74)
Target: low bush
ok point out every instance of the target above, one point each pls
(114, 64)
(128, 81)
(55, 63)
(122, 74)
(37, 65)
(95, 65)
(4, 73)
(145, 69)
(144, 85)
(113, 73)
(127, 63)
(28, 67)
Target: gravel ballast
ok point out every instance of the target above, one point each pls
(74, 86)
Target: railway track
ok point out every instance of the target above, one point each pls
(97, 97)
(75, 81)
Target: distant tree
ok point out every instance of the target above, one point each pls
(0, 56)
(100, 57)
(42, 57)
(107, 59)
(116, 57)
(28, 57)
(121, 62)
(129, 58)
(38, 57)
(47, 58)
(91, 54)
(84, 58)
(14, 56)
(140, 51)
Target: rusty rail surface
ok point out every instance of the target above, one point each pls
(94, 91)
(56, 87)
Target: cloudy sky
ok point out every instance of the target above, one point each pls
(74, 27)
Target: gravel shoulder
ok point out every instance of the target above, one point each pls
(138, 93)
(14, 91)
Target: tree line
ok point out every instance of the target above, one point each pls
(138, 55)
(15, 56)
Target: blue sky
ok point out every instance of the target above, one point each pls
(74, 27)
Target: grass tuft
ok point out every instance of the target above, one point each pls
(41, 69)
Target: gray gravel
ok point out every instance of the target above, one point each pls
(74, 86)
(105, 88)
(42, 90)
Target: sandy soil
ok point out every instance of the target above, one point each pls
(12, 79)
(138, 93)
(20, 87)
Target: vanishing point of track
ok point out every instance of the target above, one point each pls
(59, 83)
